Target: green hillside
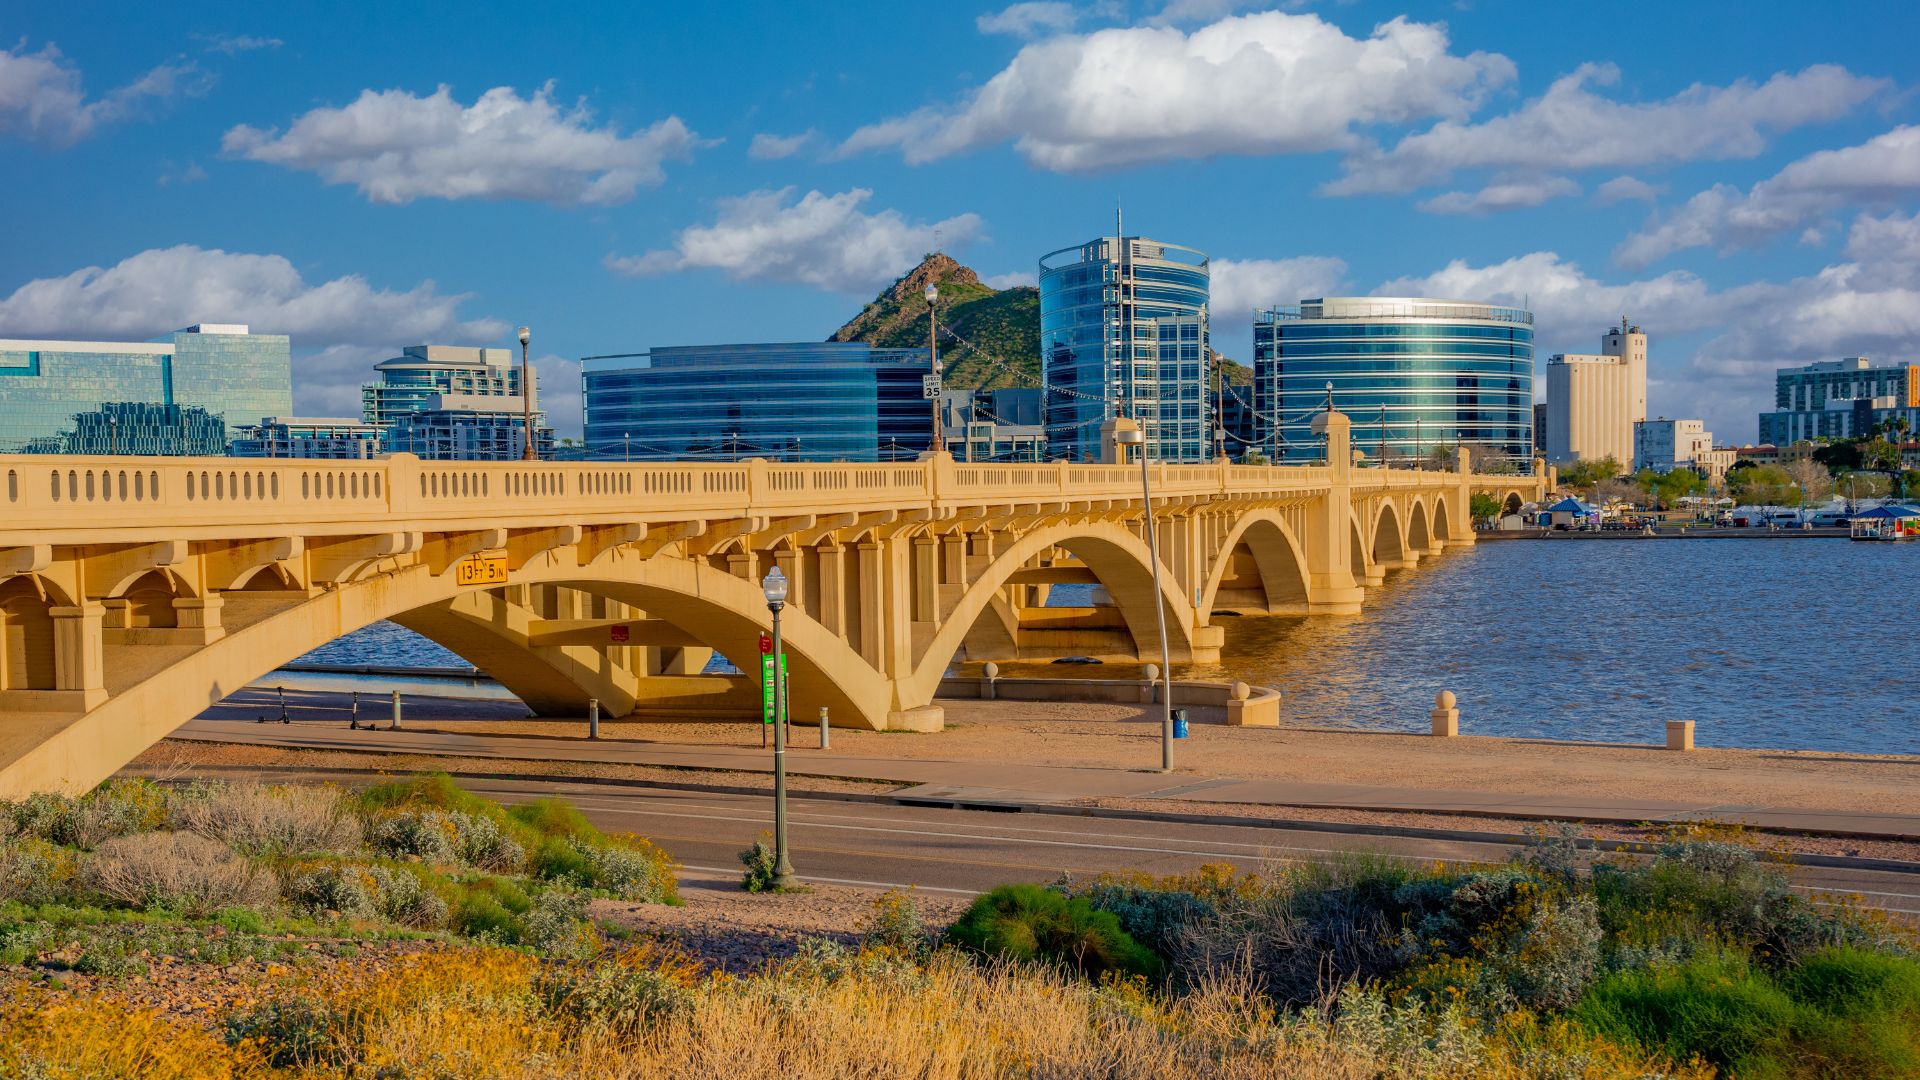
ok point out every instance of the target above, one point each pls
(998, 324)
(1000, 328)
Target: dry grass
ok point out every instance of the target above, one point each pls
(260, 819)
(181, 872)
(58, 1038)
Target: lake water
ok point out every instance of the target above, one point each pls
(1790, 644)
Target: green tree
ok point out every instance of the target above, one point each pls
(1763, 485)
(1879, 455)
(1585, 474)
(1254, 456)
(1483, 507)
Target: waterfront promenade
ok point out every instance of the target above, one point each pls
(1052, 753)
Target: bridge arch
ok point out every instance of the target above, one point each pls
(1442, 520)
(1389, 542)
(1419, 529)
(1511, 502)
(27, 660)
(1277, 558)
(716, 607)
(1118, 560)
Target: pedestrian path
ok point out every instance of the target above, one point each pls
(1006, 783)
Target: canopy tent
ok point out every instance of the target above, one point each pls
(1571, 505)
(1886, 513)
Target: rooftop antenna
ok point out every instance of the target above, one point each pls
(1118, 230)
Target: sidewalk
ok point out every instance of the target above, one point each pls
(986, 783)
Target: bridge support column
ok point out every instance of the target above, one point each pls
(926, 579)
(833, 589)
(871, 582)
(80, 671)
(1332, 588)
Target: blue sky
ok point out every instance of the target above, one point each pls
(1741, 179)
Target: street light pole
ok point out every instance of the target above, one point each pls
(526, 399)
(1136, 438)
(775, 588)
(939, 442)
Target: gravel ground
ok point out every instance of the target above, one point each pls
(731, 929)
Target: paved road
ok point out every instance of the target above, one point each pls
(968, 851)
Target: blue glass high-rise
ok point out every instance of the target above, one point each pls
(1124, 331)
(1411, 373)
(797, 401)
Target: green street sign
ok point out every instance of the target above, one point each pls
(766, 686)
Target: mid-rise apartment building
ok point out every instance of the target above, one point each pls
(1840, 399)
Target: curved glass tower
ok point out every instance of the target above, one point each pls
(1123, 330)
(1410, 372)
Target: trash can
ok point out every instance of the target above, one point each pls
(1179, 723)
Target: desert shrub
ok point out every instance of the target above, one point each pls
(555, 817)
(1318, 928)
(270, 820)
(364, 891)
(896, 924)
(1502, 937)
(489, 909)
(1030, 923)
(628, 868)
(63, 1036)
(116, 808)
(628, 997)
(1697, 892)
(426, 835)
(1155, 917)
(35, 871)
(481, 842)
(761, 864)
(181, 872)
(557, 925)
(291, 1033)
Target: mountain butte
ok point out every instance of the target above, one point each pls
(1000, 324)
(1000, 328)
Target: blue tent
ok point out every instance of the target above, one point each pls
(1884, 513)
(1571, 506)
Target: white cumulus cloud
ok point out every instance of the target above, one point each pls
(338, 326)
(395, 147)
(42, 96)
(1623, 188)
(1869, 306)
(235, 44)
(826, 241)
(1241, 286)
(1012, 279)
(1034, 18)
(1570, 128)
(1506, 194)
(770, 147)
(1881, 170)
(1266, 83)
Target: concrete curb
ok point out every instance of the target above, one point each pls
(1468, 836)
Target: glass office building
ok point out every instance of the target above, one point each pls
(801, 401)
(410, 381)
(324, 438)
(1123, 331)
(1410, 373)
(219, 368)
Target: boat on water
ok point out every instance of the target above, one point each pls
(1886, 524)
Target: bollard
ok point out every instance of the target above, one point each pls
(394, 724)
(353, 715)
(1446, 718)
(593, 718)
(992, 672)
(1150, 692)
(826, 730)
(1680, 735)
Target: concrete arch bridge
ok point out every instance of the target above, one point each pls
(135, 592)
